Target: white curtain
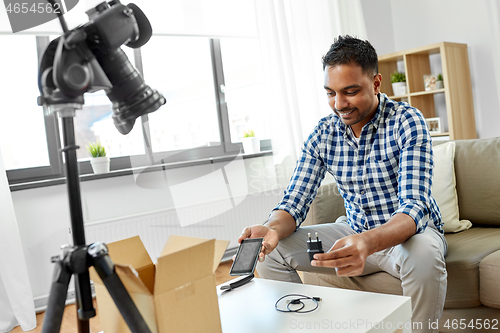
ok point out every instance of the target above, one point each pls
(295, 34)
(16, 298)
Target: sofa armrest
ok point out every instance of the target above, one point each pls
(326, 207)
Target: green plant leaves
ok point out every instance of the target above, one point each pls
(96, 150)
(249, 134)
(398, 77)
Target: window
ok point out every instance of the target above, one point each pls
(181, 69)
(212, 88)
(245, 90)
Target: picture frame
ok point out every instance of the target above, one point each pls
(434, 125)
(430, 82)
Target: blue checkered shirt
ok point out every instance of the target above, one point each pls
(389, 171)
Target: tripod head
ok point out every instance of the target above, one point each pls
(88, 58)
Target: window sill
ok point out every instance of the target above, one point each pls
(131, 171)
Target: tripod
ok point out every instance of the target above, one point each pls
(75, 260)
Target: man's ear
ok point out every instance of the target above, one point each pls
(377, 81)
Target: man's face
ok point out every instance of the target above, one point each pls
(352, 94)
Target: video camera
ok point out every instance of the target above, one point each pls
(88, 58)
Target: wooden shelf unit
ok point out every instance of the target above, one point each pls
(456, 79)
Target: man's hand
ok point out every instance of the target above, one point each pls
(280, 225)
(348, 256)
(270, 238)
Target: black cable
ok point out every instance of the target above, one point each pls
(298, 300)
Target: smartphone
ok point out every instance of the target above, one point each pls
(246, 257)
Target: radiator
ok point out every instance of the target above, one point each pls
(154, 228)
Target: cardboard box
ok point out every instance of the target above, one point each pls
(178, 294)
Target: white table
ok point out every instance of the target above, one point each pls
(250, 308)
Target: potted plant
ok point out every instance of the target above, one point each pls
(99, 160)
(398, 81)
(251, 144)
(439, 82)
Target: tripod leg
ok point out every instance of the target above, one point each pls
(57, 298)
(85, 309)
(83, 325)
(106, 270)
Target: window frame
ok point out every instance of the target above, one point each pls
(41, 176)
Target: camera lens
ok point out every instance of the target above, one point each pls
(130, 96)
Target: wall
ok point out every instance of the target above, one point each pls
(378, 22)
(412, 24)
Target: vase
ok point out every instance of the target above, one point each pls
(399, 88)
(251, 145)
(100, 164)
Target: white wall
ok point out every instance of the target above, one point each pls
(378, 22)
(405, 24)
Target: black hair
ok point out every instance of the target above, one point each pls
(347, 49)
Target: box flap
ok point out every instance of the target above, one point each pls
(192, 260)
(131, 280)
(130, 251)
(220, 249)
(179, 243)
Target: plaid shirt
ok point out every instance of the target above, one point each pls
(388, 172)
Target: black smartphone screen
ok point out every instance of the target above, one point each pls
(246, 257)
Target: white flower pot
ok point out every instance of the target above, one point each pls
(399, 88)
(251, 145)
(100, 164)
(439, 85)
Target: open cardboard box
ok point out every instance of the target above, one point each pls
(178, 294)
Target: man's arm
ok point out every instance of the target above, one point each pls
(280, 225)
(291, 211)
(415, 170)
(281, 222)
(348, 255)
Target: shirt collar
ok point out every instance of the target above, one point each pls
(382, 98)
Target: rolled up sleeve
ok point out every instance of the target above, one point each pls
(415, 170)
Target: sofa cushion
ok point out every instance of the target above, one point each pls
(489, 273)
(465, 252)
(444, 188)
(451, 319)
(327, 206)
(477, 175)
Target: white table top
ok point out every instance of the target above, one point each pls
(250, 308)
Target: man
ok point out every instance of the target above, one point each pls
(380, 153)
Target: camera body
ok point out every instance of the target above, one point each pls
(111, 25)
(89, 58)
